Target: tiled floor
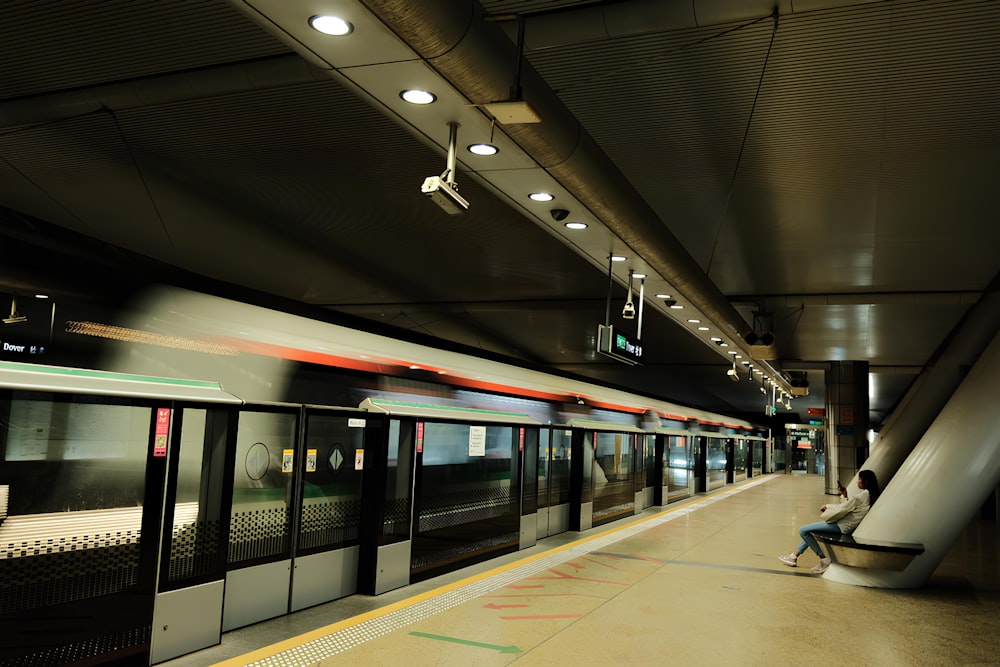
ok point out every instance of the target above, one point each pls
(696, 583)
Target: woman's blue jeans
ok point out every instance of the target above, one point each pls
(808, 540)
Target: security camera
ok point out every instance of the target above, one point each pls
(628, 312)
(444, 194)
(559, 214)
(733, 375)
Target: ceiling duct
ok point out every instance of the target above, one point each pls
(606, 21)
(477, 58)
(263, 74)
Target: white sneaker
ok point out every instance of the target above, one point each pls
(791, 560)
(820, 567)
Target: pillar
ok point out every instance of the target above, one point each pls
(846, 421)
(941, 484)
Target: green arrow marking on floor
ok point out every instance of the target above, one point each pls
(467, 642)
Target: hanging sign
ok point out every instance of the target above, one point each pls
(617, 345)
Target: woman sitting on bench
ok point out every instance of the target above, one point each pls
(840, 518)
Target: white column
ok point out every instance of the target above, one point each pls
(932, 388)
(941, 484)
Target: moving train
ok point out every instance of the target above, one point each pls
(221, 464)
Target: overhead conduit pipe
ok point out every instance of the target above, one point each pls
(478, 59)
(262, 74)
(603, 22)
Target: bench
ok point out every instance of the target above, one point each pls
(871, 554)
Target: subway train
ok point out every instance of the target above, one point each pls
(220, 464)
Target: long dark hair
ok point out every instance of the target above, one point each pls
(871, 485)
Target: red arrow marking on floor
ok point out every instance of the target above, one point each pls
(533, 618)
(605, 554)
(494, 605)
(561, 575)
(607, 565)
(525, 586)
(549, 595)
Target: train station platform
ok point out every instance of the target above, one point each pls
(697, 582)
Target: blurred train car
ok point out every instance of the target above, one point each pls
(221, 464)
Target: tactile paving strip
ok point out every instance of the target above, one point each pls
(342, 640)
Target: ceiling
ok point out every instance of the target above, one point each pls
(824, 173)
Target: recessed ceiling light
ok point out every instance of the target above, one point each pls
(677, 306)
(702, 328)
(723, 344)
(693, 321)
(41, 296)
(731, 352)
(618, 258)
(483, 149)
(415, 96)
(541, 196)
(638, 275)
(331, 25)
(662, 296)
(576, 225)
(715, 339)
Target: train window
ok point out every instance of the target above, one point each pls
(75, 474)
(194, 542)
(469, 500)
(331, 494)
(259, 526)
(614, 474)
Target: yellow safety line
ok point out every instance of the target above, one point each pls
(318, 633)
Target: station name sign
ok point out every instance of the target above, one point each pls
(9, 348)
(617, 345)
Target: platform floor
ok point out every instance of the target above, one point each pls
(696, 583)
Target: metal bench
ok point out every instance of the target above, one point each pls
(871, 554)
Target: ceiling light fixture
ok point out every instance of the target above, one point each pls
(677, 306)
(703, 329)
(618, 258)
(483, 149)
(416, 96)
(576, 225)
(331, 25)
(541, 196)
(662, 296)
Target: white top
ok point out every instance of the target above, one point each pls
(848, 514)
